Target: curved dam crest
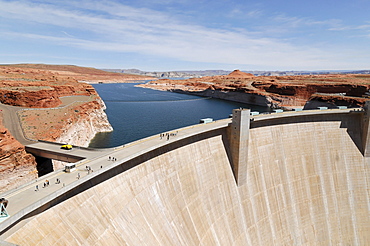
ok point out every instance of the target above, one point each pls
(307, 182)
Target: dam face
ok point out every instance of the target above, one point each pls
(307, 183)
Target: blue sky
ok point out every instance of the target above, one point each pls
(166, 35)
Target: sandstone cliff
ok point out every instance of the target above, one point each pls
(84, 128)
(275, 92)
(16, 166)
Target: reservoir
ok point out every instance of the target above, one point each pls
(136, 113)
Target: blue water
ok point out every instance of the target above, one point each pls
(137, 113)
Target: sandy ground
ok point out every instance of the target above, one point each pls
(48, 124)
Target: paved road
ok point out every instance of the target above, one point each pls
(11, 120)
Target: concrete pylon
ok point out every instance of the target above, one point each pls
(239, 144)
(366, 130)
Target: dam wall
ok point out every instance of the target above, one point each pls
(307, 183)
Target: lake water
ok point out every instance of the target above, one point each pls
(137, 113)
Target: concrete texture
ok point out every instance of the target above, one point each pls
(239, 138)
(366, 130)
(307, 183)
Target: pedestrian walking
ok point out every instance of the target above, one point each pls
(78, 176)
(109, 158)
(37, 188)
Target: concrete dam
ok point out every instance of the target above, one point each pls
(297, 178)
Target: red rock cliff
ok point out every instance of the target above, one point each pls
(16, 166)
(273, 91)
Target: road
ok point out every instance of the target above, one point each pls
(12, 123)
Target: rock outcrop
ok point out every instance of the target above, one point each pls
(83, 129)
(16, 166)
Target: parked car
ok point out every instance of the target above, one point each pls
(66, 146)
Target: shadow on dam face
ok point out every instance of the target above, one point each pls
(307, 184)
(352, 124)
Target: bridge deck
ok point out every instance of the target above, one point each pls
(54, 151)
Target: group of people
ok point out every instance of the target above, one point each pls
(47, 183)
(88, 168)
(168, 135)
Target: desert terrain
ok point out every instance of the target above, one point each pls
(276, 91)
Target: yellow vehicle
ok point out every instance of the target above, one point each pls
(66, 146)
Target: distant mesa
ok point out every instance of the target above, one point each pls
(239, 74)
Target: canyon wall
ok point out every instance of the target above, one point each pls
(307, 184)
(235, 96)
(84, 129)
(16, 165)
(285, 92)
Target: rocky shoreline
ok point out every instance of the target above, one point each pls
(285, 92)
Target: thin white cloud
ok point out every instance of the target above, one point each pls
(365, 27)
(239, 13)
(67, 34)
(294, 22)
(110, 26)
